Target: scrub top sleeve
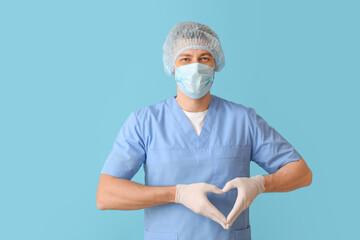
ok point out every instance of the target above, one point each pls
(128, 151)
(269, 149)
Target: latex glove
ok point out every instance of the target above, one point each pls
(248, 189)
(193, 196)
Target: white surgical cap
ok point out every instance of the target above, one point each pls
(191, 35)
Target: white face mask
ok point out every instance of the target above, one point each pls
(194, 79)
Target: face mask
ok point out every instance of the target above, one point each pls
(195, 79)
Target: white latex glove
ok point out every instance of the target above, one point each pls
(193, 196)
(248, 189)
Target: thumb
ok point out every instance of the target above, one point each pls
(214, 213)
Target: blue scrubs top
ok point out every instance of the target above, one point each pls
(161, 137)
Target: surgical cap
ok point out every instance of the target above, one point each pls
(191, 35)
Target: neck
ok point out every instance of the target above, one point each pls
(193, 105)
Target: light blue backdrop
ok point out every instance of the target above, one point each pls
(72, 71)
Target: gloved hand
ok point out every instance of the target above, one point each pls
(248, 189)
(193, 196)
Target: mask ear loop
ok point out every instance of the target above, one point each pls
(174, 69)
(214, 73)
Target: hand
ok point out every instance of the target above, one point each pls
(248, 189)
(193, 196)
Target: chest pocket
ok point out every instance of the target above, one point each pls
(231, 161)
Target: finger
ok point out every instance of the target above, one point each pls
(215, 189)
(228, 186)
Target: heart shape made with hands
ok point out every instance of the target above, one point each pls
(247, 190)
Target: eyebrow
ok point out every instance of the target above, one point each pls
(189, 55)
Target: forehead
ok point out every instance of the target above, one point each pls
(195, 52)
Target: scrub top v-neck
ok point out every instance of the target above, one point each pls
(196, 119)
(161, 138)
(186, 126)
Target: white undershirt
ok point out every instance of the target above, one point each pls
(196, 119)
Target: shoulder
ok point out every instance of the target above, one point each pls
(151, 110)
(227, 106)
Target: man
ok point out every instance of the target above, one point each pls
(196, 149)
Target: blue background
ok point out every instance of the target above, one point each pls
(72, 71)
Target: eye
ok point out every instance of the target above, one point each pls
(184, 59)
(205, 58)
